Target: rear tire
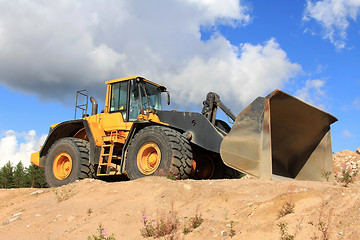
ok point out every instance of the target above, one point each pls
(208, 165)
(158, 151)
(224, 172)
(230, 173)
(68, 161)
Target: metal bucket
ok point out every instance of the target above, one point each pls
(282, 136)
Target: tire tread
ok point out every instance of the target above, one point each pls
(85, 170)
(181, 162)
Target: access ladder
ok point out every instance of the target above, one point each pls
(106, 165)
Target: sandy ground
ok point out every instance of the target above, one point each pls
(75, 211)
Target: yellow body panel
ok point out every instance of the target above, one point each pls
(35, 158)
(106, 122)
(97, 132)
(114, 121)
(151, 116)
(54, 125)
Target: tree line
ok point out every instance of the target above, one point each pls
(21, 177)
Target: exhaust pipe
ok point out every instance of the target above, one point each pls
(94, 108)
(282, 136)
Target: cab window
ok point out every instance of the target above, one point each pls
(154, 96)
(140, 100)
(118, 102)
(135, 104)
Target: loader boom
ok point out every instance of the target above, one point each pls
(210, 107)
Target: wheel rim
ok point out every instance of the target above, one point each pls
(204, 168)
(62, 166)
(148, 158)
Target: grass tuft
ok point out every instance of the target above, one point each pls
(348, 174)
(165, 225)
(232, 230)
(284, 235)
(102, 234)
(168, 225)
(326, 175)
(63, 193)
(286, 209)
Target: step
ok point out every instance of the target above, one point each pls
(112, 138)
(113, 156)
(110, 170)
(107, 145)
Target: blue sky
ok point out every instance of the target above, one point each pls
(239, 49)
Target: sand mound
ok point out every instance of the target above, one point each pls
(75, 211)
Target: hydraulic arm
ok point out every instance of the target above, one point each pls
(210, 107)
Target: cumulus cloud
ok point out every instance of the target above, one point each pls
(238, 74)
(356, 103)
(52, 48)
(16, 147)
(313, 92)
(347, 134)
(334, 16)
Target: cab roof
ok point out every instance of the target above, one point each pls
(134, 77)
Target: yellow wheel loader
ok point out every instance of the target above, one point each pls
(275, 136)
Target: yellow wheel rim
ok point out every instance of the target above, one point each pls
(62, 166)
(148, 158)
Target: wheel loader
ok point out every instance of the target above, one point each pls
(277, 136)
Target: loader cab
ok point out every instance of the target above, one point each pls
(131, 96)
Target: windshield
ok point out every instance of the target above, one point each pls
(154, 96)
(149, 98)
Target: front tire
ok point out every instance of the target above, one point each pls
(159, 151)
(67, 161)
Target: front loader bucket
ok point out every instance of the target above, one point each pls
(282, 136)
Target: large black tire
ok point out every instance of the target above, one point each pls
(68, 161)
(159, 151)
(210, 166)
(230, 173)
(224, 172)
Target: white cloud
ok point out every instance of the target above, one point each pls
(356, 103)
(334, 16)
(52, 48)
(347, 134)
(313, 92)
(16, 147)
(238, 75)
(228, 11)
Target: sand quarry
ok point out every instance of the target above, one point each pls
(231, 209)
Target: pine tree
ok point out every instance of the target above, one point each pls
(6, 176)
(20, 176)
(35, 177)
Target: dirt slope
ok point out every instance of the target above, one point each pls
(252, 204)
